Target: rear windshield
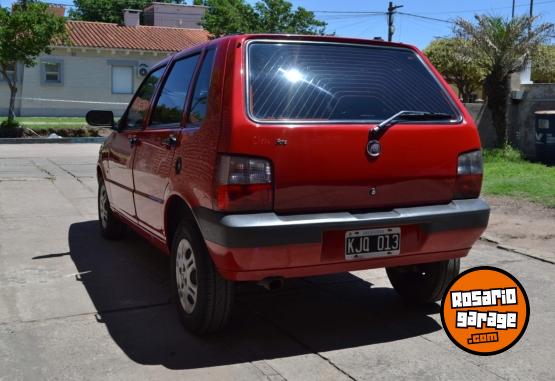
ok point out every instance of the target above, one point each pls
(334, 82)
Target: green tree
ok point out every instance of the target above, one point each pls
(228, 16)
(450, 56)
(504, 47)
(266, 16)
(26, 31)
(109, 10)
(543, 64)
(278, 16)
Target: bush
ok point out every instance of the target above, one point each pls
(70, 132)
(7, 124)
(10, 129)
(508, 153)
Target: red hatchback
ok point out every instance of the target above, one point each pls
(264, 157)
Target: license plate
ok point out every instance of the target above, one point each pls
(372, 243)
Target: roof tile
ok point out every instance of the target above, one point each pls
(113, 36)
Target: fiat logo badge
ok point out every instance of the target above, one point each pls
(374, 148)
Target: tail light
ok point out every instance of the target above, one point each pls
(244, 184)
(469, 175)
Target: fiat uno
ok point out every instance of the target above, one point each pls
(265, 157)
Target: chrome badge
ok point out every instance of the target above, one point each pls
(374, 148)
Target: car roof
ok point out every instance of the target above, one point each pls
(317, 38)
(240, 38)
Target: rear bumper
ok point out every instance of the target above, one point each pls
(254, 246)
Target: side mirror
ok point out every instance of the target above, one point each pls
(99, 118)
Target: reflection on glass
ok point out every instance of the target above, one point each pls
(292, 75)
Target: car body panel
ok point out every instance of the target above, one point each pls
(151, 172)
(318, 171)
(120, 169)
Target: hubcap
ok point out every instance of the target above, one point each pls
(103, 206)
(186, 275)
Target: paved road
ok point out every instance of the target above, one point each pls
(74, 306)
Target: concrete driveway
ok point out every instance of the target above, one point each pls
(74, 306)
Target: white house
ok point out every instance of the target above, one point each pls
(103, 63)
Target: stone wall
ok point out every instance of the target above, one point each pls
(482, 117)
(536, 97)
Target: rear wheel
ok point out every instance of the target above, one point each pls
(423, 283)
(110, 226)
(202, 297)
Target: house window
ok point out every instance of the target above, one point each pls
(51, 72)
(122, 79)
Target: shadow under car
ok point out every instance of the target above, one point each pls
(128, 282)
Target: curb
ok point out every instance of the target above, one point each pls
(51, 141)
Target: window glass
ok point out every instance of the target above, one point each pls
(52, 71)
(333, 82)
(140, 104)
(122, 79)
(169, 107)
(200, 94)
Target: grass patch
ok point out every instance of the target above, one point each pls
(506, 173)
(44, 122)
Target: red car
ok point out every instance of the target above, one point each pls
(264, 157)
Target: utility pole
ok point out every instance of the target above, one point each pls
(513, 14)
(531, 14)
(390, 27)
(531, 8)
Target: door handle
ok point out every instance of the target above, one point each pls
(133, 140)
(170, 141)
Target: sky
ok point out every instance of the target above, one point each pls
(408, 29)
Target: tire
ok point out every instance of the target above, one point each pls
(202, 297)
(110, 226)
(423, 283)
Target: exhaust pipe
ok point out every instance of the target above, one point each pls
(272, 283)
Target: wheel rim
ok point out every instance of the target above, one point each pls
(103, 206)
(186, 275)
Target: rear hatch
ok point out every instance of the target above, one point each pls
(318, 102)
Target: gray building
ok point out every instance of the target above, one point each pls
(174, 15)
(100, 67)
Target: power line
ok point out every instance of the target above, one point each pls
(486, 9)
(425, 17)
(351, 12)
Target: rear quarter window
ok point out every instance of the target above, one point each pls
(321, 82)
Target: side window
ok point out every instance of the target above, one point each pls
(200, 94)
(169, 107)
(140, 104)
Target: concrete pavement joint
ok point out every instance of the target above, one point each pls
(499, 245)
(51, 176)
(332, 291)
(24, 179)
(296, 340)
(71, 174)
(97, 314)
(466, 360)
(267, 370)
